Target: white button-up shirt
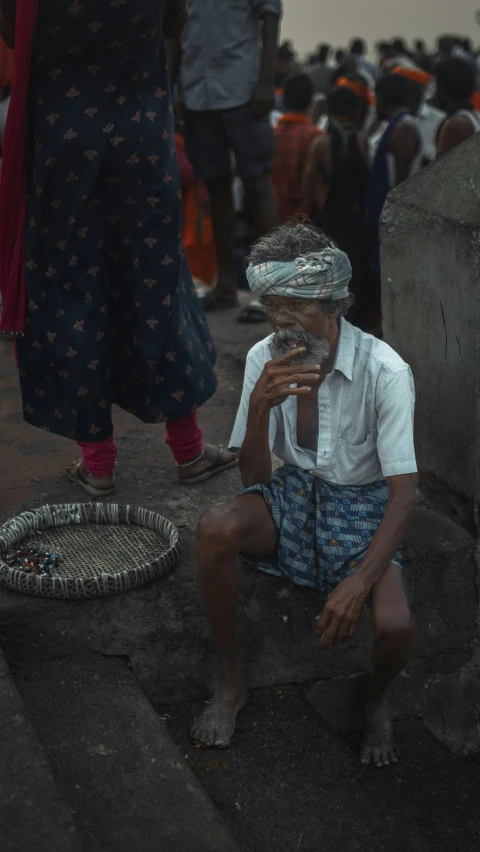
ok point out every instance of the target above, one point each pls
(365, 413)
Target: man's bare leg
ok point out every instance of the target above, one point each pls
(223, 222)
(244, 524)
(393, 641)
(259, 192)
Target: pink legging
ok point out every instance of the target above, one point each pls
(184, 438)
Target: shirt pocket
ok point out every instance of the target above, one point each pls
(358, 463)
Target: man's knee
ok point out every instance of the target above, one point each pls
(218, 529)
(394, 626)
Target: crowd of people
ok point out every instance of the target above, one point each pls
(97, 269)
(351, 130)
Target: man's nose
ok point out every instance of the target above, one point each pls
(284, 318)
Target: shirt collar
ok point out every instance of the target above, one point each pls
(345, 350)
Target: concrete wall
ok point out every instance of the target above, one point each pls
(431, 307)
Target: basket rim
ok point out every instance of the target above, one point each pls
(98, 514)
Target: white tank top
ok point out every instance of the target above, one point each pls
(417, 161)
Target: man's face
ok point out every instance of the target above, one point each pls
(299, 322)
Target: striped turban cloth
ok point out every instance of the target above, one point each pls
(318, 275)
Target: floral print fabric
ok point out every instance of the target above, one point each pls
(112, 315)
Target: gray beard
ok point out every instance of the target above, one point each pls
(316, 351)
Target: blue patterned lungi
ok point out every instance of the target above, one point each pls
(324, 529)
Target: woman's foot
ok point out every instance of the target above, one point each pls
(213, 461)
(96, 486)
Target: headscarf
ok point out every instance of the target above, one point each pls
(317, 275)
(415, 75)
(361, 90)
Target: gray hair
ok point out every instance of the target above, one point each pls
(293, 240)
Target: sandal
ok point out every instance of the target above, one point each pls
(210, 303)
(254, 312)
(75, 475)
(216, 468)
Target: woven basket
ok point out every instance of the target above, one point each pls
(103, 548)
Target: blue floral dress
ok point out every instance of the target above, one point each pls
(112, 314)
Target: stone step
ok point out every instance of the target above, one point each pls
(32, 813)
(129, 786)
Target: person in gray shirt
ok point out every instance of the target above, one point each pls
(227, 59)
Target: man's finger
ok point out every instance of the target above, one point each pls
(290, 355)
(321, 623)
(298, 369)
(298, 378)
(299, 391)
(342, 633)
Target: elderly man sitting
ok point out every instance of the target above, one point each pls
(337, 406)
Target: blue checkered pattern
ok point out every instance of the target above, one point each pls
(324, 529)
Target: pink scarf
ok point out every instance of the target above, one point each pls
(13, 183)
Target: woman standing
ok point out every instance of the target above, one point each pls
(97, 284)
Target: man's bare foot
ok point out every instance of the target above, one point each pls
(378, 749)
(216, 725)
(214, 461)
(96, 486)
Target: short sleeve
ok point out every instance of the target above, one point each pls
(262, 7)
(395, 402)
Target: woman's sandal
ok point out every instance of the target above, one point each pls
(216, 468)
(254, 312)
(75, 474)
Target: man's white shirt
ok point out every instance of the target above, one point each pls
(365, 413)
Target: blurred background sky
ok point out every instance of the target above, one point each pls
(309, 22)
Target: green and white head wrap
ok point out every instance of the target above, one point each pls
(323, 275)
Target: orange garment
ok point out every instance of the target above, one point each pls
(475, 101)
(295, 134)
(197, 231)
(6, 65)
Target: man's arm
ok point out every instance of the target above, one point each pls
(395, 397)
(7, 27)
(270, 389)
(454, 130)
(176, 16)
(344, 607)
(315, 182)
(404, 146)
(263, 98)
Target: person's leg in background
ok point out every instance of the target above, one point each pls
(208, 150)
(196, 461)
(253, 142)
(223, 222)
(95, 473)
(259, 192)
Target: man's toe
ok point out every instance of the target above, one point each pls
(366, 755)
(223, 737)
